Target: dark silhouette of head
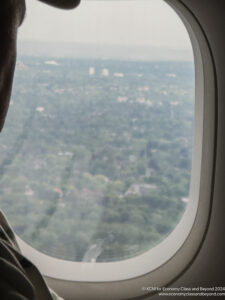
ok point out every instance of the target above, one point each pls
(12, 13)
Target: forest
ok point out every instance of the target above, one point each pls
(95, 156)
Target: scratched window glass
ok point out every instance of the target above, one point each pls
(96, 152)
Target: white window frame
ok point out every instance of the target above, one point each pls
(165, 262)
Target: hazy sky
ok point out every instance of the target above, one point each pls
(132, 22)
(137, 22)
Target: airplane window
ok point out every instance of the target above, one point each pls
(96, 152)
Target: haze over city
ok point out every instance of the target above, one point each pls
(150, 24)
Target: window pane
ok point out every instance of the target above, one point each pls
(96, 152)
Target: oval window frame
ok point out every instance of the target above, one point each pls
(156, 267)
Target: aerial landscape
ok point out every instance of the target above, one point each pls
(96, 154)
